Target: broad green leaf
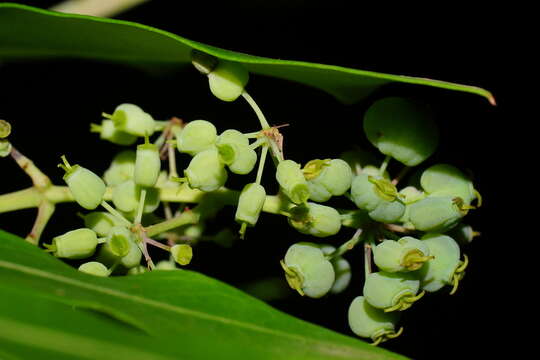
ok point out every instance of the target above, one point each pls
(47, 307)
(27, 32)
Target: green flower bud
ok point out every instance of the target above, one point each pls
(307, 270)
(315, 219)
(292, 182)
(445, 268)
(232, 136)
(205, 171)
(378, 196)
(369, 322)
(196, 136)
(447, 180)
(342, 270)
(410, 194)
(75, 244)
(100, 222)
(250, 204)
(335, 176)
(108, 131)
(182, 253)
(109, 252)
(122, 168)
(244, 160)
(5, 129)
(406, 254)
(391, 291)
(401, 129)
(5, 148)
(363, 193)
(227, 80)
(436, 213)
(94, 268)
(147, 164)
(87, 188)
(127, 195)
(133, 120)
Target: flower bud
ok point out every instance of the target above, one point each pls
(133, 120)
(196, 136)
(5, 148)
(87, 188)
(108, 255)
(315, 219)
(182, 253)
(232, 136)
(402, 129)
(335, 176)
(227, 80)
(5, 129)
(122, 168)
(342, 270)
(100, 222)
(292, 182)
(307, 270)
(147, 164)
(75, 244)
(205, 171)
(250, 204)
(94, 268)
(108, 131)
(244, 161)
(447, 180)
(126, 197)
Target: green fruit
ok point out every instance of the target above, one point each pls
(342, 270)
(292, 182)
(122, 168)
(391, 291)
(250, 204)
(406, 254)
(401, 129)
(118, 240)
(227, 80)
(206, 172)
(463, 234)
(75, 244)
(435, 213)
(5, 148)
(5, 129)
(315, 219)
(369, 322)
(182, 253)
(147, 164)
(108, 131)
(133, 120)
(86, 187)
(378, 196)
(94, 268)
(335, 176)
(388, 212)
(445, 268)
(196, 136)
(109, 256)
(307, 270)
(100, 222)
(363, 193)
(447, 180)
(317, 192)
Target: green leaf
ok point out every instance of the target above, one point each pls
(27, 32)
(48, 307)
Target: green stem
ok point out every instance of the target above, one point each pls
(384, 165)
(258, 112)
(262, 160)
(39, 179)
(22, 199)
(140, 207)
(115, 213)
(187, 217)
(348, 245)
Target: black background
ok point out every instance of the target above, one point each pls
(51, 103)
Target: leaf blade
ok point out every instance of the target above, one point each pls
(173, 305)
(58, 34)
